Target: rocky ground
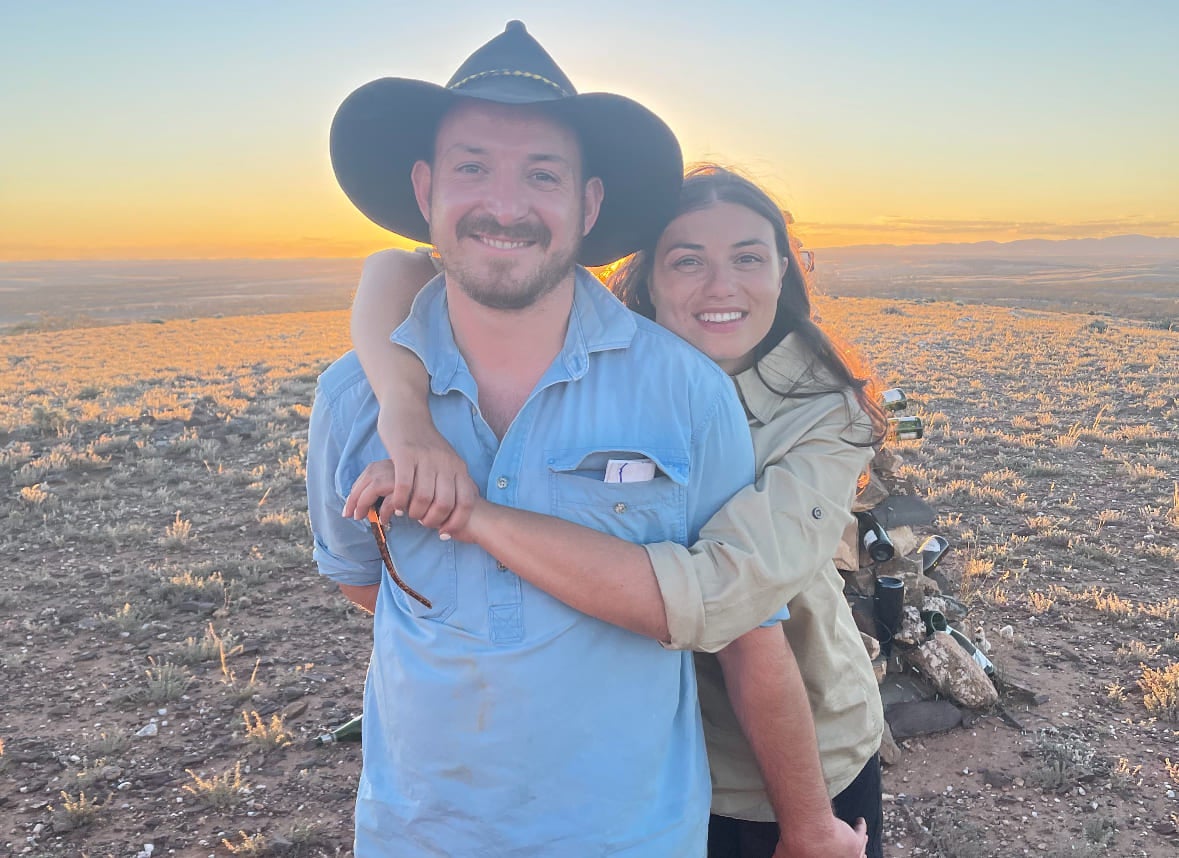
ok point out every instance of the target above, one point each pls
(169, 652)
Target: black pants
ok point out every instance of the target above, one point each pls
(739, 838)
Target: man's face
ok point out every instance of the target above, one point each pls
(505, 201)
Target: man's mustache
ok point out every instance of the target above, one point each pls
(472, 225)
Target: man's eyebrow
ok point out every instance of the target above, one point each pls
(537, 158)
(542, 158)
(466, 149)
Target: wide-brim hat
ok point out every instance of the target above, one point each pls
(386, 125)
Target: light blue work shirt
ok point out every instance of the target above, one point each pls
(502, 721)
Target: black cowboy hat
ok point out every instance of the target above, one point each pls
(383, 127)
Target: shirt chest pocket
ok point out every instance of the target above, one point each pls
(646, 510)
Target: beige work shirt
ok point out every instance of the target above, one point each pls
(770, 545)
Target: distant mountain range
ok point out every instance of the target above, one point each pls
(1120, 247)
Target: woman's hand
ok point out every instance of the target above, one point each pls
(422, 478)
(842, 841)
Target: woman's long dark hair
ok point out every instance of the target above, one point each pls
(707, 184)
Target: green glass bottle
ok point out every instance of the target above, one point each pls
(875, 538)
(894, 399)
(906, 428)
(349, 731)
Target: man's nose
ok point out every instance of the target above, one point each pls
(506, 200)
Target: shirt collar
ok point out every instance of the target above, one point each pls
(597, 322)
(786, 367)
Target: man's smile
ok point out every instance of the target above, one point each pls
(501, 243)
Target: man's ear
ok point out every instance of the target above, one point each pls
(594, 192)
(421, 177)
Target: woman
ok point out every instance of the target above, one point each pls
(722, 276)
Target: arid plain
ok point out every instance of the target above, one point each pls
(168, 649)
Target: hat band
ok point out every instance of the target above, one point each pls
(510, 73)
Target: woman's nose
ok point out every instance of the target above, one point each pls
(721, 283)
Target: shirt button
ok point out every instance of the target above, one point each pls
(501, 567)
(502, 482)
(474, 411)
(816, 513)
(620, 507)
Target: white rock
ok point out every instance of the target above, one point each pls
(149, 729)
(952, 671)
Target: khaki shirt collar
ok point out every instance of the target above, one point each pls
(787, 367)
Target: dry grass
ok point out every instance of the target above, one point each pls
(219, 791)
(266, 734)
(155, 483)
(80, 810)
(247, 844)
(165, 681)
(1160, 690)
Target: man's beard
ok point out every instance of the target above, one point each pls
(499, 285)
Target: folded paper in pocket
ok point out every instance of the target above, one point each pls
(629, 471)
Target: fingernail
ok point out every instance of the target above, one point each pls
(399, 512)
(445, 537)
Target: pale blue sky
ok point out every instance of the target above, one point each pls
(150, 128)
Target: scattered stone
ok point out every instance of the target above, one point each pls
(947, 665)
(904, 511)
(297, 709)
(62, 822)
(110, 773)
(149, 729)
(919, 587)
(996, 780)
(904, 541)
(922, 718)
(887, 461)
(912, 630)
(847, 555)
(1164, 826)
(907, 687)
(890, 751)
(861, 582)
(872, 495)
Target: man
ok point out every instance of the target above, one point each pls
(498, 720)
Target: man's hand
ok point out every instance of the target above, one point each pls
(840, 841)
(423, 478)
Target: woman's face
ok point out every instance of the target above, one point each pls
(715, 281)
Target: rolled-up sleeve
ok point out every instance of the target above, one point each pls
(764, 546)
(344, 549)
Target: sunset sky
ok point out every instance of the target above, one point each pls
(166, 130)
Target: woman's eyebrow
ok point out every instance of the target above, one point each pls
(687, 245)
